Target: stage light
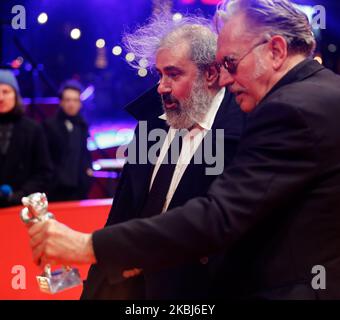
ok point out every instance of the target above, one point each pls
(117, 50)
(100, 43)
(105, 174)
(16, 64)
(211, 2)
(96, 166)
(130, 57)
(332, 48)
(143, 63)
(75, 34)
(142, 72)
(177, 16)
(42, 18)
(28, 67)
(87, 93)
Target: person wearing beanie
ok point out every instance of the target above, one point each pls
(25, 165)
(67, 134)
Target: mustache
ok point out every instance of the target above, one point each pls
(168, 98)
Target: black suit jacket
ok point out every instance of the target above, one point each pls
(275, 210)
(60, 145)
(191, 279)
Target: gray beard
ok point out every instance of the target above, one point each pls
(191, 110)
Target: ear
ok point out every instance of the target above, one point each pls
(211, 75)
(279, 51)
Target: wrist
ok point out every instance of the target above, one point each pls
(88, 250)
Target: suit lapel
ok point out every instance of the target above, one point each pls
(141, 173)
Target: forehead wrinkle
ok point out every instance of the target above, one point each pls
(177, 57)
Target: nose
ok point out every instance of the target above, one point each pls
(163, 87)
(225, 78)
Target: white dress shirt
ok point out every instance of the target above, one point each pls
(191, 142)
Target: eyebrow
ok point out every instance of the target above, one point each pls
(170, 69)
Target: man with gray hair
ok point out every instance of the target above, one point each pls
(275, 210)
(183, 53)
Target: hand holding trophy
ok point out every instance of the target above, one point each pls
(35, 210)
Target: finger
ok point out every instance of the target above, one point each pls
(37, 253)
(138, 271)
(131, 273)
(36, 228)
(44, 261)
(29, 225)
(37, 239)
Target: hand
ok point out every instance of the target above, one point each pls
(132, 273)
(89, 172)
(54, 243)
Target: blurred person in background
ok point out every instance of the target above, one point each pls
(67, 134)
(25, 165)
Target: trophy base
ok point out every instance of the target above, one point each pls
(59, 280)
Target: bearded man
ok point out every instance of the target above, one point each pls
(183, 54)
(274, 210)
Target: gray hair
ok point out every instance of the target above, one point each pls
(162, 31)
(272, 17)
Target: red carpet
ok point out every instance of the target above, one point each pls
(85, 216)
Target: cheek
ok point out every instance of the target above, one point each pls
(11, 103)
(250, 83)
(181, 90)
(260, 70)
(253, 72)
(243, 81)
(71, 105)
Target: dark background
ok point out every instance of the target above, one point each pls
(58, 57)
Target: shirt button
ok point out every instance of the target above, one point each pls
(204, 260)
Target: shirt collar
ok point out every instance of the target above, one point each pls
(209, 118)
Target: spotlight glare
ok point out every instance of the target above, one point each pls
(143, 63)
(100, 43)
(42, 18)
(177, 16)
(28, 66)
(332, 48)
(17, 62)
(130, 57)
(117, 50)
(142, 72)
(96, 166)
(75, 34)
